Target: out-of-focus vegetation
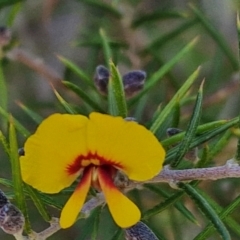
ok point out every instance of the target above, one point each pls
(49, 66)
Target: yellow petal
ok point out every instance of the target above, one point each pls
(75, 202)
(126, 143)
(124, 212)
(57, 142)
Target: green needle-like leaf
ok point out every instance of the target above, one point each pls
(75, 69)
(65, 104)
(36, 198)
(96, 225)
(237, 157)
(191, 130)
(106, 47)
(157, 15)
(4, 142)
(17, 124)
(200, 130)
(116, 95)
(206, 208)
(3, 94)
(202, 138)
(84, 96)
(165, 39)
(4, 3)
(178, 205)
(118, 234)
(216, 35)
(106, 8)
(151, 82)
(16, 175)
(223, 214)
(168, 108)
(33, 115)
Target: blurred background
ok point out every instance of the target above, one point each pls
(143, 35)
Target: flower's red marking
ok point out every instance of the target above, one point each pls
(85, 178)
(105, 176)
(77, 163)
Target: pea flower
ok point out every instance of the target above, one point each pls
(66, 146)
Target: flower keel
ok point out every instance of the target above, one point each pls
(76, 201)
(124, 212)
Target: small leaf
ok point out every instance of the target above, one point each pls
(3, 94)
(106, 47)
(172, 199)
(118, 234)
(157, 15)
(205, 207)
(183, 147)
(75, 69)
(178, 205)
(4, 142)
(85, 97)
(237, 156)
(16, 175)
(165, 39)
(200, 129)
(33, 115)
(13, 13)
(151, 82)
(202, 138)
(65, 104)
(168, 108)
(96, 225)
(218, 37)
(88, 227)
(106, 8)
(17, 124)
(117, 101)
(223, 214)
(4, 3)
(36, 198)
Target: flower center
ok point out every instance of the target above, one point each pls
(94, 159)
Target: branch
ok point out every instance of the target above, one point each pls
(230, 170)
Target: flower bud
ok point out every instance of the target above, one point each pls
(3, 199)
(173, 131)
(133, 82)
(11, 219)
(21, 152)
(140, 231)
(101, 79)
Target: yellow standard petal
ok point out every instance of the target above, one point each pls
(127, 144)
(75, 202)
(124, 212)
(57, 142)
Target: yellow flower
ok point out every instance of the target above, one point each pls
(67, 146)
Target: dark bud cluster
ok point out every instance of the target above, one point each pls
(173, 131)
(101, 79)
(139, 231)
(11, 218)
(133, 81)
(21, 152)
